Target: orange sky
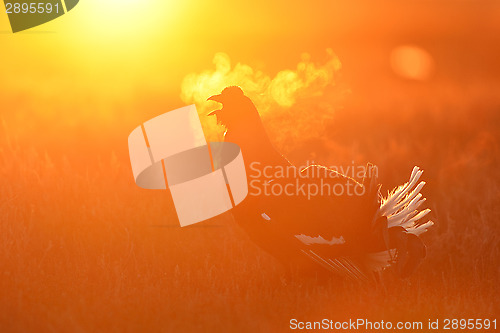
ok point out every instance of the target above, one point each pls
(100, 64)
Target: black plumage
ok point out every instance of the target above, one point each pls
(347, 234)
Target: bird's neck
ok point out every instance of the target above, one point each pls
(249, 135)
(255, 144)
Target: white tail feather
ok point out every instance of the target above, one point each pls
(401, 209)
(400, 206)
(377, 261)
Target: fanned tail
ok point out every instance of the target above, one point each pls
(401, 206)
(405, 250)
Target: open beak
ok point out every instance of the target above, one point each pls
(215, 98)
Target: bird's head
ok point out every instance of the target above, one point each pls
(237, 109)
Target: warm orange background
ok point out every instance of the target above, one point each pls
(82, 248)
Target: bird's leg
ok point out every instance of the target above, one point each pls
(410, 250)
(416, 252)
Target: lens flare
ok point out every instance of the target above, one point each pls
(412, 62)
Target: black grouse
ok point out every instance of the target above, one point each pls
(353, 235)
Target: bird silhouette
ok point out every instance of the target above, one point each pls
(355, 236)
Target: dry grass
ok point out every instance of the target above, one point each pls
(83, 249)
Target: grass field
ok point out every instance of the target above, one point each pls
(85, 250)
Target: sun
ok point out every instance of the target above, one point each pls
(121, 20)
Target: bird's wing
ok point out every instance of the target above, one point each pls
(325, 203)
